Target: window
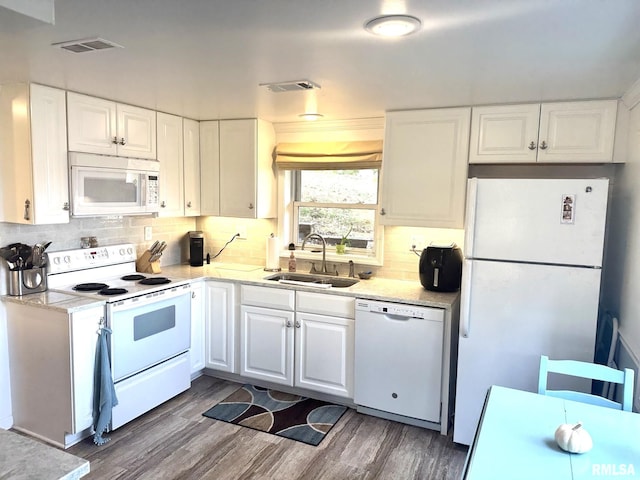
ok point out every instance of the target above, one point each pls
(335, 204)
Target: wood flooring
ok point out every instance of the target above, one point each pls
(174, 441)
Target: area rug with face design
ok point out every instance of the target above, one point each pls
(291, 416)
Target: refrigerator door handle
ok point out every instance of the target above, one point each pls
(466, 299)
(470, 223)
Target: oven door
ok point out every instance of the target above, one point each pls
(148, 330)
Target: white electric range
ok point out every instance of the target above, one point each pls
(149, 317)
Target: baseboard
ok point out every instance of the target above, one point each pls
(627, 358)
(6, 423)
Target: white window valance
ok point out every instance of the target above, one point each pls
(329, 155)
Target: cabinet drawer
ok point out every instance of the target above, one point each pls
(324, 304)
(267, 297)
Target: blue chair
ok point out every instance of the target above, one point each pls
(593, 371)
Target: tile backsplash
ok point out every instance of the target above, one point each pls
(399, 261)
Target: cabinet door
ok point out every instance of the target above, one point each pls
(577, 131)
(171, 165)
(191, 140)
(504, 134)
(220, 326)
(238, 150)
(424, 171)
(136, 132)
(84, 325)
(92, 124)
(209, 168)
(324, 354)
(197, 350)
(266, 344)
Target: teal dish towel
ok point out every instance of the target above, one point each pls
(104, 392)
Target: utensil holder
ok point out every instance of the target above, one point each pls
(144, 265)
(30, 280)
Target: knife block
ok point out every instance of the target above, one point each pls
(144, 265)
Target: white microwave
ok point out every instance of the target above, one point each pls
(103, 185)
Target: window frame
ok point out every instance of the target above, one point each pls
(290, 184)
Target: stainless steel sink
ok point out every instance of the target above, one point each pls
(319, 281)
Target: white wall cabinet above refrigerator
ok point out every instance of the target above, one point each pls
(33, 155)
(424, 171)
(238, 179)
(561, 132)
(109, 128)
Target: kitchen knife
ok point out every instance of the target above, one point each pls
(153, 247)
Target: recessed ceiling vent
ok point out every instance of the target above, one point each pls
(292, 86)
(86, 45)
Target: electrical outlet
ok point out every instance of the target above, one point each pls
(242, 231)
(417, 243)
(147, 234)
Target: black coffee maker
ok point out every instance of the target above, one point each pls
(196, 248)
(441, 268)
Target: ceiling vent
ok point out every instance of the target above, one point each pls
(292, 86)
(86, 45)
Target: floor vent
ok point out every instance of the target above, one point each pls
(86, 45)
(292, 86)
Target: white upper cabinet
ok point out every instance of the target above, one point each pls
(210, 168)
(424, 170)
(562, 132)
(105, 127)
(247, 177)
(191, 143)
(170, 156)
(33, 155)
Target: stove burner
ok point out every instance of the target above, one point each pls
(90, 287)
(155, 281)
(133, 277)
(112, 291)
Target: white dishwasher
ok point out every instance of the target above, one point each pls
(398, 359)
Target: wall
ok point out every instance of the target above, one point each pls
(622, 276)
(399, 262)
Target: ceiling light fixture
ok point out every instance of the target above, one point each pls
(393, 25)
(311, 116)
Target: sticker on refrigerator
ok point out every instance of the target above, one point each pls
(568, 208)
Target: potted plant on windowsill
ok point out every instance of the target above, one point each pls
(344, 243)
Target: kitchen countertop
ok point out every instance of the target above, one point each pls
(24, 458)
(55, 300)
(400, 291)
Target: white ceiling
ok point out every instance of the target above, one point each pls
(205, 59)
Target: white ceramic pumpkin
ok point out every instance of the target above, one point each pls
(571, 437)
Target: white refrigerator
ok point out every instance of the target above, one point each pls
(530, 285)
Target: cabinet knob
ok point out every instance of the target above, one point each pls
(163, 204)
(297, 324)
(27, 208)
(382, 212)
(65, 206)
(193, 294)
(122, 142)
(543, 145)
(289, 324)
(115, 140)
(251, 206)
(532, 146)
(188, 204)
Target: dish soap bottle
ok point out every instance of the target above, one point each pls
(292, 258)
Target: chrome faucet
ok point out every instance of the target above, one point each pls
(323, 267)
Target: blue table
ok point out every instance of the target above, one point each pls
(515, 440)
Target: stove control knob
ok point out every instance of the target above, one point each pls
(122, 251)
(67, 259)
(130, 251)
(56, 260)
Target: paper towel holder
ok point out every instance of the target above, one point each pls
(274, 269)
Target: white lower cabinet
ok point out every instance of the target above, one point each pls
(220, 326)
(60, 409)
(311, 346)
(197, 350)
